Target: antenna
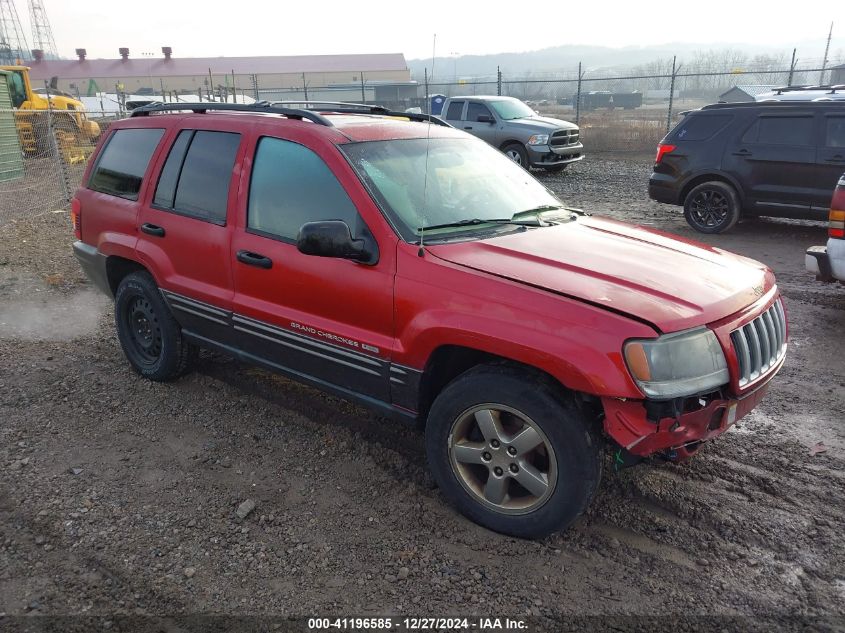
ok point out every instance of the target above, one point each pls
(421, 252)
(42, 34)
(13, 45)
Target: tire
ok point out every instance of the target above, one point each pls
(712, 207)
(149, 335)
(464, 459)
(517, 153)
(554, 169)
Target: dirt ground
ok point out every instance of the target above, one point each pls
(118, 496)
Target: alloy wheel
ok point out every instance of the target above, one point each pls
(502, 458)
(710, 208)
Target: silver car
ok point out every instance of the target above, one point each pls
(523, 135)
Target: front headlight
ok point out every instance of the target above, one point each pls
(538, 139)
(676, 365)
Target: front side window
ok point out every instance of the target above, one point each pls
(291, 185)
(17, 89)
(120, 168)
(196, 176)
(425, 183)
(475, 110)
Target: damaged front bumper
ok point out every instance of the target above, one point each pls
(675, 429)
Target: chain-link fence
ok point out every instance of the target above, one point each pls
(43, 153)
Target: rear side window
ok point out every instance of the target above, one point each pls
(290, 186)
(781, 130)
(474, 110)
(196, 176)
(701, 127)
(122, 162)
(455, 110)
(835, 133)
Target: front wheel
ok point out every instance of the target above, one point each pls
(149, 335)
(517, 154)
(712, 207)
(511, 452)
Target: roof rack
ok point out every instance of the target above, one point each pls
(259, 107)
(831, 89)
(339, 107)
(312, 112)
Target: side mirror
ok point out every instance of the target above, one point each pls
(485, 118)
(332, 238)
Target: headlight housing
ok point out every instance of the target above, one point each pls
(678, 364)
(538, 139)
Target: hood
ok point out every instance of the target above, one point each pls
(671, 283)
(542, 123)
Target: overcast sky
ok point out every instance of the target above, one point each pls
(231, 28)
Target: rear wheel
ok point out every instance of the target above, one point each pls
(511, 452)
(712, 207)
(516, 152)
(149, 335)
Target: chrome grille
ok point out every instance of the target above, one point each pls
(760, 344)
(564, 137)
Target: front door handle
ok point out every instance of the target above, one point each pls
(152, 229)
(742, 152)
(468, 127)
(254, 259)
(838, 158)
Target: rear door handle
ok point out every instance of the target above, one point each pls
(836, 159)
(152, 229)
(742, 152)
(254, 259)
(468, 127)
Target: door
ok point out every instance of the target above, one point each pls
(325, 319)
(775, 161)
(486, 130)
(184, 233)
(831, 161)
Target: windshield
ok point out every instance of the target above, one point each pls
(511, 109)
(466, 180)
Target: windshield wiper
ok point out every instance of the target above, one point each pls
(540, 209)
(476, 221)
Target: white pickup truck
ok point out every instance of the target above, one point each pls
(828, 262)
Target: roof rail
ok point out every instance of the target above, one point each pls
(775, 103)
(339, 107)
(259, 107)
(826, 88)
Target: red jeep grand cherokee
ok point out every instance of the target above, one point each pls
(413, 268)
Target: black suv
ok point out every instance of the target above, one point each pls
(766, 158)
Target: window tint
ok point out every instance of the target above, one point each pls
(476, 109)
(784, 130)
(701, 127)
(835, 134)
(454, 111)
(123, 161)
(290, 186)
(202, 190)
(166, 190)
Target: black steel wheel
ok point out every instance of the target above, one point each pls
(712, 207)
(149, 335)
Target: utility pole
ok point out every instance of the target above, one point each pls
(826, 51)
(792, 67)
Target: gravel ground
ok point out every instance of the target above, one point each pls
(119, 497)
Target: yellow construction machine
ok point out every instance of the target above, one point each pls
(34, 114)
